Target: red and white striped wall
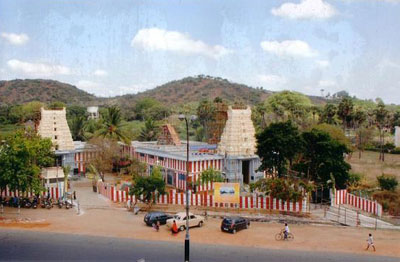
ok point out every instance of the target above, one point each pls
(54, 193)
(205, 199)
(342, 197)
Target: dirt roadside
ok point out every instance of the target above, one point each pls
(117, 222)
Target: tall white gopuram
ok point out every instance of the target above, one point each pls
(238, 137)
(53, 124)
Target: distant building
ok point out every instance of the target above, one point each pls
(397, 136)
(54, 177)
(93, 112)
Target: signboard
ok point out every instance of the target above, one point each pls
(227, 193)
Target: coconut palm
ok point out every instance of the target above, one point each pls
(78, 128)
(112, 125)
(150, 131)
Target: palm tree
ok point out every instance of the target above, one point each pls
(149, 132)
(112, 125)
(78, 128)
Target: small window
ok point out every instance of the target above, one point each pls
(55, 137)
(56, 147)
(55, 129)
(55, 123)
(192, 217)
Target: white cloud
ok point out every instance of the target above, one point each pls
(326, 83)
(289, 48)
(100, 72)
(323, 63)
(15, 39)
(272, 79)
(306, 9)
(37, 69)
(152, 39)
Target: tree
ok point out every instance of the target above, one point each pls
(106, 155)
(336, 133)
(287, 105)
(22, 156)
(76, 111)
(381, 117)
(206, 115)
(148, 188)
(143, 106)
(363, 137)
(78, 128)
(323, 158)
(136, 168)
(287, 189)
(150, 131)
(32, 111)
(210, 175)
(112, 125)
(345, 111)
(328, 114)
(277, 146)
(387, 182)
(56, 105)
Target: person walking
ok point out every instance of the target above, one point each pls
(370, 242)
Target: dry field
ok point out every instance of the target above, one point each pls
(370, 166)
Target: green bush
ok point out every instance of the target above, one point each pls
(387, 182)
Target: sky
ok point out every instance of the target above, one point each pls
(116, 47)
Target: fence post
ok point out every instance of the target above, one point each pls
(338, 218)
(2, 209)
(376, 222)
(358, 219)
(324, 212)
(345, 213)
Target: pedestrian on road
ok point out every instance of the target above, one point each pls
(174, 228)
(370, 242)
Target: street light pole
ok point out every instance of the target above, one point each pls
(187, 237)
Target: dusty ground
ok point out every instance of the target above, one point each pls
(370, 166)
(118, 222)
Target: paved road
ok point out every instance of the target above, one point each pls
(27, 245)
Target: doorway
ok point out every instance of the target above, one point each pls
(246, 171)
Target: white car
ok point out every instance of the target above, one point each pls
(180, 219)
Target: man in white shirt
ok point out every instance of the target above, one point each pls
(370, 241)
(286, 231)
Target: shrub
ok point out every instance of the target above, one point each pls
(387, 182)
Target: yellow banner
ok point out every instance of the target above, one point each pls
(227, 193)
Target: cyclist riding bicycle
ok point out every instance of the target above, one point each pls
(286, 231)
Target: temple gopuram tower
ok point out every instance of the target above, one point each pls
(53, 124)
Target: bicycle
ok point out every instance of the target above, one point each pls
(281, 236)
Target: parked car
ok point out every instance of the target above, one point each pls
(180, 219)
(234, 224)
(152, 217)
